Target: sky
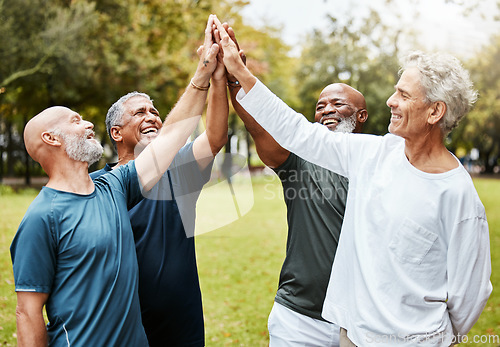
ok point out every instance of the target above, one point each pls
(439, 26)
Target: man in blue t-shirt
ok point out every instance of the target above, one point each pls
(74, 250)
(163, 222)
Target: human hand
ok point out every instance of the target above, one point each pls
(208, 56)
(230, 49)
(232, 81)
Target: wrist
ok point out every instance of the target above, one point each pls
(233, 83)
(200, 80)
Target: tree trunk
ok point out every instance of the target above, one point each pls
(10, 149)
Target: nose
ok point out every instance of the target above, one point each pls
(89, 125)
(150, 117)
(329, 108)
(391, 102)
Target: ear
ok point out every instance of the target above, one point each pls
(116, 133)
(362, 116)
(51, 139)
(438, 109)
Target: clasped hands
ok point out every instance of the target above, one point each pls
(219, 53)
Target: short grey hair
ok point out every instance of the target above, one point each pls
(444, 79)
(116, 111)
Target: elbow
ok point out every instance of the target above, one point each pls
(218, 143)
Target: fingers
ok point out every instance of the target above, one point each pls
(222, 31)
(231, 34)
(216, 36)
(199, 51)
(208, 31)
(243, 56)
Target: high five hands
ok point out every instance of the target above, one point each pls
(221, 40)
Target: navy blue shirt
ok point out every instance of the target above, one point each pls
(80, 250)
(163, 226)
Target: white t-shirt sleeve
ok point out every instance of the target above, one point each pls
(310, 141)
(469, 270)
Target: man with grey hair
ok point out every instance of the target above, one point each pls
(74, 251)
(163, 222)
(413, 263)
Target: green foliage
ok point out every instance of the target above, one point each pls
(481, 128)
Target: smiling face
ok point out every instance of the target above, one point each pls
(140, 122)
(78, 138)
(338, 106)
(409, 110)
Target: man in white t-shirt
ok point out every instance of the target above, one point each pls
(413, 262)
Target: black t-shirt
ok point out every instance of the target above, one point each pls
(315, 200)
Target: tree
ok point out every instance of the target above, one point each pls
(481, 127)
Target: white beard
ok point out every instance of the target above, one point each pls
(347, 125)
(80, 149)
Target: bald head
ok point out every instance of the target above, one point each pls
(44, 122)
(352, 95)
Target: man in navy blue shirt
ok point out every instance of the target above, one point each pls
(163, 222)
(74, 250)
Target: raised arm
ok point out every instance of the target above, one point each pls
(155, 159)
(208, 144)
(31, 331)
(269, 151)
(291, 130)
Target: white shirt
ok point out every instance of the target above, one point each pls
(413, 262)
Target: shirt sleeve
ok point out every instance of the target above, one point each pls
(186, 174)
(310, 141)
(34, 253)
(284, 170)
(125, 180)
(469, 270)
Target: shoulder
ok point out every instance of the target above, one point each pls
(120, 174)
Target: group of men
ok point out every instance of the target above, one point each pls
(111, 255)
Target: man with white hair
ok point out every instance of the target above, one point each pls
(413, 263)
(74, 250)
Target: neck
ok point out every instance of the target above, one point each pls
(125, 154)
(71, 177)
(124, 159)
(429, 154)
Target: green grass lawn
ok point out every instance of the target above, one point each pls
(239, 266)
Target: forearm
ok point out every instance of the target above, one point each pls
(217, 114)
(31, 331)
(269, 151)
(191, 103)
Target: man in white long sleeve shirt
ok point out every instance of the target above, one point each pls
(413, 262)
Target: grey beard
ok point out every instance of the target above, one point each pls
(347, 125)
(79, 149)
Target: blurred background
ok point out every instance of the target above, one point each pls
(86, 54)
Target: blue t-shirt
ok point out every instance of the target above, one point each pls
(163, 226)
(80, 249)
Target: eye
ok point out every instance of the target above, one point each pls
(319, 108)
